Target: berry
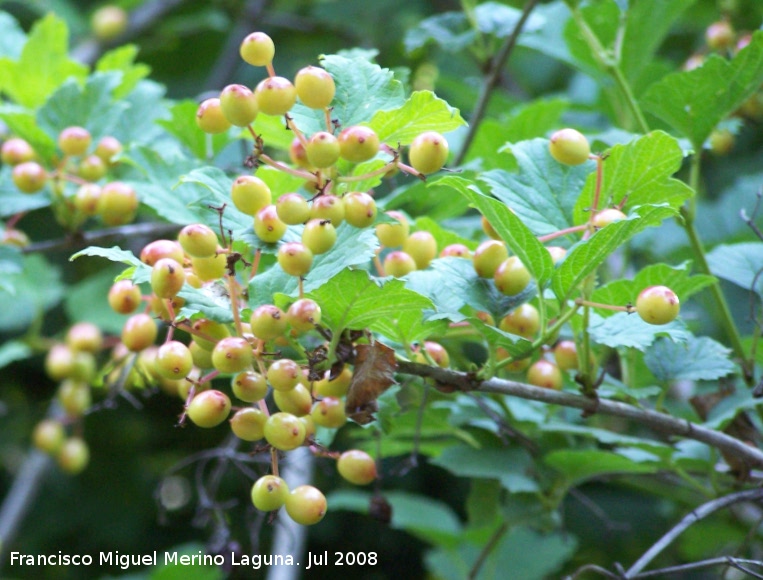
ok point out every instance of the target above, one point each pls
(436, 352)
(329, 412)
(108, 148)
(284, 374)
(249, 424)
(29, 177)
(210, 117)
(566, 355)
(117, 203)
(657, 305)
(456, 251)
(173, 360)
(257, 49)
(292, 209)
(232, 354)
(295, 258)
(209, 408)
(569, 147)
(207, 333)
(268, 322)
(398, 264)
(49, 436)
(275, 96)
(284, 431)
(322, 150)
(303, 315)
(296, 401)
(139, 332)
(108, 22)
(59, 362)
(74, 140)
(489, 229)
(16, 150)
(721, 141)
(84, 337)
(357, 467)
(74, 397)
(422, 247)
(543, 373)
(73, 456)
(315, 87)
(557, 253)
(606, 217)
(511, 277)
(250, 194)
(336, 387)
(523, 321)
(269, 493)
(328, 207)
(158, 249)
(306, 505)
(358, 143)
(298, 154)
(91, 168)
(488, 256)
(359, 209)
(720, 35)
(268, 227)
(238, 104)
(249, 386)
(167, 278)
(428, 152)
(319, 235)
(202, 358)
(14, 237)
(392, 235)
(198, 241)
(211, 268)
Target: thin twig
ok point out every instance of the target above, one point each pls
(491, 80)
(489, 546)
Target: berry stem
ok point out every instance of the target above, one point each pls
(630, 309)
(274, 460)
(378, 263)
(381, 171)
(563, 232)
(597, 190)
(233, 292)
(271, 70)
(255, 263)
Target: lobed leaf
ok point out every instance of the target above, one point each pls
(697, 359)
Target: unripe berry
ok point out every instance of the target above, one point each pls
(523, 321)
(49, 436)
(232, 354)
(284, 374)
(456, 251)
(91, 168)
(207, 333)
(566, 355)
(268, 227)
(268, 322)
(202, 358)
(29, 177)
(167, 278)
(284, 431)
(210, 117)
(108, 22)
(488, 256)
(296, 401)
(59, 362)
(275, 96)
(84, 336)
(74, 396)
(488, 228)
(657, 305)
(398, 264)
(86, 199)
(557, 253)
(303, 315)
(328, 207)
(543, 373)
(569, 147)
(337, 387)
(607, 216)
(428, 152)
(108, 148)
(511, 277)
(358, 143)
(295, 258)
(436, 352)
(292, 209)
(298, 154)
(322, 150)
(319, 235)
(249, 386)
(359, 209)
(74, 140)
(306, 505)
(422, 247)
(139, 332)
(117, 203)
(357, 467)
(721, 141)
(269, 493)
(211, 268)
(14, 237)
(257, 49)
(198, 241)
(158, 249)
(16, 150)
(238, 104)
(173, 360)
(73, 456)
(209, 408)
(392, 235)
(249, 424)
(315, 87)
(250, 194)
(329, 412)
(720, 35)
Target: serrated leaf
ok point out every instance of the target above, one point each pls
(603, 21)
(544, 192)
(443, 236)
(694, 102)
(182, 124)
(139, 124)
(422, 111)
(210, 186)
(585, 257)
(607, 437)
(740, 264)
(507, 465)
(512, 230)
(43, 65)
(211, 301)
(638, 173)
(447, 30)
(677, 278)
(431, 198)
(122, 59)
(23, 123)
(697, 359)
(578, 465)
(623, 330)
(141, 272)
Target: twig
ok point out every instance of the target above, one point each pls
(696, 515)
(491, 80)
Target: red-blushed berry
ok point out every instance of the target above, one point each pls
(607, 216)
(284, 374)
(543, 373)
(48, 436)
(359, 209)
(167, 278)
(269, 493)
(85, 337)
(73, 456)
(392, 235)
(109, 22)
(398, 264)
(257, 49)
(306, 505)
(328, 207)
(268, 226)
(117, 203)
(319, 235)
(248, 424)
(158, 249)
(198, 241)
(456, 251)
(488, 256)
(74, 140)
(108, 148)
(29, 176)
(303, 315)
(238, 104)
(329, 412)
(336, 387)
(232, 354)
(428, 152)
(139, 331)
(322, 150)
(250, 194)
(295, 258)
(91, 168)
(557, 253)
(298, 154)
(523, 321)
(14, 237)
(489, 229)
(436, 352)
(569, 147)
(511, 276)
(566, 355)
(315, 87)
(275, 96)
(16, 150)
(284, 431)
(210, 117)
(209, 408)
(357, 467)
(720, 35)
(358, 143)
(721, 141)
(59, 362)
(173, 360)
(422, 247)
(296, 401)
(202, 358)
(249, 386)
(268, 322)
(657, 305)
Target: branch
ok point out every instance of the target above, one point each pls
(491, 80)
(653, 419)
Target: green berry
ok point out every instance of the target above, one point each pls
(511, 276)
(359, 209)
(296, 401)
(295, 258)
(249, 386)
(523, 321)
(488, 256)
(566, 355)
(398, 264)
(74, 396)
(428, 152)
(167, 278)
(392, 235)
(16, 150)
(319, 235)
(209, 408)
(269, 493)
(59, 362)
(456, 251)
(257, 49)
(306, 505)
(91, 168)
(249, 424)
(49, 436)
(158, 249)
(117, 203)
(284, 374)
(303, 315)
(108, 22)
(322, 150)
(436, 352)
(606, 217)
(107, 148)
(84, 337)
(275, 96)
(207, 333)
(336, 387)
(267, 225)
(250, 194)
(74, 140)
(268, 322)
(720, 35)
(202, 358)
(569, 147)
(232, 354)
(315, 87)
(139, 332)
(557, 253)
(29, 177)
(298, 154)
(358, 143)
(210, 268)
(329, 412)
(198, 241)
(488, 228)
(238, 105)
(657, 305)
(284, 431)
(328, 207)
(173, 360)
(292, 209)
(357, 467)
(422, 247)
(73, 456)
(210, 117)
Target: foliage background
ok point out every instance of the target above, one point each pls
(189, 52)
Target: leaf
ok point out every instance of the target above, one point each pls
(431, 198)
(602, 20)
(140, 122)
(210, 301)
(448, 31)
(210, 186)
(422, 111)
(23, 123)
(585, 257)
(374, 372)
(85, 301)
(13, 201)
(43, 65)
(740, 264)
(628, 330)
(140, 271)
(32, 291)
(508, 465)
(544, 192)
(638, 173)
(512, 230)
(13, 38)
(579, 465)
(182, 124)
(694, 102)
(122, 59)
(697, 359)
(12, 351)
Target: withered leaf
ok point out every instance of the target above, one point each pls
(374, 373)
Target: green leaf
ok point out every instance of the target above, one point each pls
(607, 437)
(210, 186)
(33, 291)
(677, 278)
(351, 299)
(182, 124)
(579, 465)
(13, 38)
(694, 102)
(512, 230)
(602, 19)
(508, 465)
(638, 173)
(448, 31)
(444, 237)
(43, 65)
(585, 257)
(740, 264)
(122, 59)
(23, 123)
(140, 271)
(483, 502)
(211, 301)
(697, 359)
(140, 122)
(431, 198)
(86, 301)
(629, 331)
(544, 192)
(12, 351)
(422, 111)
